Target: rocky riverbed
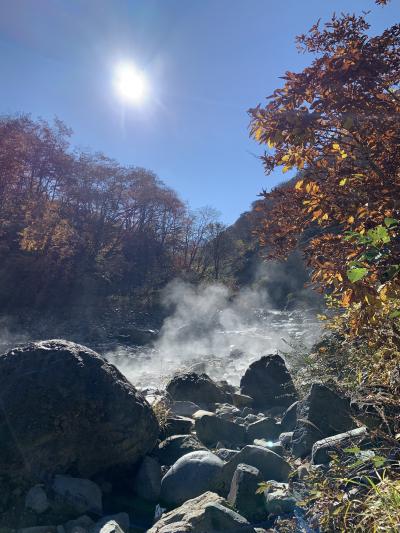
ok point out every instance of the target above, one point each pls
(82, 451)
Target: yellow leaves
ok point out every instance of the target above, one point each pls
(362, 212)
(346, 298)
(350, 220)
(258, 133)
(312, 188)
(286, 168)
(342, 182)
(285, 158)
(383, 293)
(319, 214)
(336, 148)
(270, 143)
(316, 214)
(299, 185)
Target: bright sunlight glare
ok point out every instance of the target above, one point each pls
(130, 83)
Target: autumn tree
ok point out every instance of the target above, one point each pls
(337, 125)
(79, 227)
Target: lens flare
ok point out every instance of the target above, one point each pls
(130, 83)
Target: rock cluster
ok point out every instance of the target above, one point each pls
(89, 447)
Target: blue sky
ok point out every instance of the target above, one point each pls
(206, 61)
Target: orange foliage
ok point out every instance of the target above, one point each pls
(337, 123)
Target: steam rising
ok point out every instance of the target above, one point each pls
(211, 329)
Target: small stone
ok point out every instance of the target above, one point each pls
(273, 446)
(303, 471)
(38, 529)
(251, 418)
(147, 483)
(175, 447)
(195, 387)
(222, 519)
(36, 499)
(177, 425)
(278, 499)
(242, 400)
(227, 412)
(184, 408)
(111, 527)
(82, 494)
(211, 429)
(266, 428)
(122, 519)
(226, 454)
(289, 419)
(286, 439)
(83, 523)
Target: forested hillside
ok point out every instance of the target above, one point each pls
(77, 228)
(81, 235)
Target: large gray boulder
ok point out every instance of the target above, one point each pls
(175, 447)
(208, 513)
(271, 465)
(195, 387)
(211, 429)
(190, 476)
(321, 414)
(67, 410)
(269, 383)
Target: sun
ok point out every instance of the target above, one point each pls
(130, 83)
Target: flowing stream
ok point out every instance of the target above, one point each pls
(222, 352)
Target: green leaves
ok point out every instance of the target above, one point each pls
(355, 274)
(354, 450)
(375, 251)
(390, 222)
(378, 235)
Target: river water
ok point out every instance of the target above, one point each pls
(214, 346)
